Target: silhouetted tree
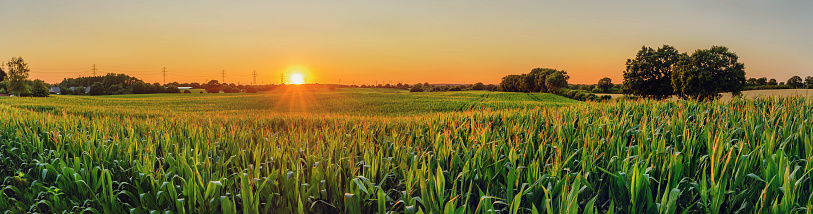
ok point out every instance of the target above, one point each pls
(795, 82)
(649, 73)
(212, 87)
(762, 81)
(751, 81)
(604, 84)
(772, 82)
(97, 89)
(2, 73)
(808, 81)
(140, 88)
(478, 86)
(707, 73)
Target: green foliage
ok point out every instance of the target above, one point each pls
(416, 88)
(605, 84)
(649, 74)
(97, 89)
(795, 82)
(228, 154)
(115, 89)
(707, 73)
(18, 76)
(2, 73)
(140, 88)
(79, 90)
(39, 89)
(555, 81)
(172, 89)
(535, 81)
(478, 86)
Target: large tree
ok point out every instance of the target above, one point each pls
(2, 73)
(605, 84)
(809, 81)
(795, 82)
(707, 73)
(18, 76)
(648, 74)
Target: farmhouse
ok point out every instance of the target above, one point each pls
(55, 90)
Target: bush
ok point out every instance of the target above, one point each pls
(172, 89)
(187, 92)
(416, 88)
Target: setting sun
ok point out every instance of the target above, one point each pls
(297, 79)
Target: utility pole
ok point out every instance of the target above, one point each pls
(223, 74)
(165, 75)
(255, 77)
(94, 69)
(281, 76)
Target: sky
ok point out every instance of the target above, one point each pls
(369, 42)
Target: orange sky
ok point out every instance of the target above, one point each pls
(365, 42)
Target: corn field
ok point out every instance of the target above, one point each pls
(481, 155)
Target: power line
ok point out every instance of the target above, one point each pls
(281, 76)
(223, 75)
(94, 69)
(255, 77)
(165, 75)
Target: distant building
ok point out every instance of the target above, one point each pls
(55, 90)
(184, 88)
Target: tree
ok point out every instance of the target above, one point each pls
(115, 89)
(416, 88)
(39, 89)
(772, 82)
(97, 89)
(809, 81)
(707, 73)
(212, 87)
(2, 73)
(555, 81)
(140, 88)
(79, 90)
(478, 86)
(795, 82)
(649, 73)
(18, 76)
(751, 81)
(605, 84)
(762, 81)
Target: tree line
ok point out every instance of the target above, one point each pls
(14, 80)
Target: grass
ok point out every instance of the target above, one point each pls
(479, 152)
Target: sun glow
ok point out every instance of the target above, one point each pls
(297, 79)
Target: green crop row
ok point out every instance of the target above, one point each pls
(746, 156)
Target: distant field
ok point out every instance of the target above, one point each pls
(752, 94)
(391, 151)
(347, 101)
